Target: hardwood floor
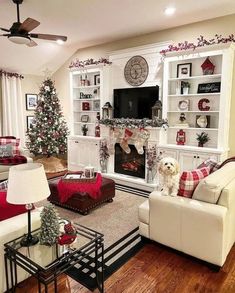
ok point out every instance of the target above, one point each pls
(157, 269)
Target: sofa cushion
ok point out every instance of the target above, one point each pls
(144, 212)
(15, 144)
(211, 163)
(210, 188)
(190, 179)
(8, 210)
(6, 150)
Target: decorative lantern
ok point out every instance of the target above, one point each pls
(181, 137)
(157, 110)
(107, 111)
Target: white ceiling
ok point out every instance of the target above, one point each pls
(91, 22)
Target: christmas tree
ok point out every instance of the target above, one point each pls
(50, 228)
(48, 132)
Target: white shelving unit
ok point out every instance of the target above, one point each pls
(91, 93)
(219, 103)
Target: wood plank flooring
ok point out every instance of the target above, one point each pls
(156, 269)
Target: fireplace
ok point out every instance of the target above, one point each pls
(132, 164)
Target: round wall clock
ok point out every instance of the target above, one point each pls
(136, 70)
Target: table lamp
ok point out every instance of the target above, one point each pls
(27, 184)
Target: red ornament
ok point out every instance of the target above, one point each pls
(181, 137)
(207, 67)
(69, 229)
(66, 239)
(201, 106)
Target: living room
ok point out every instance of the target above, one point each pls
(90, 73)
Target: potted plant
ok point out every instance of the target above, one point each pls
(202, 138)
(185, 85)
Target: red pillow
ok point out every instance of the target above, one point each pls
(8, 210)
(190, 179)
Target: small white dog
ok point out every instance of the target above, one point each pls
(169, 171)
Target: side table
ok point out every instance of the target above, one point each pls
(46, 263)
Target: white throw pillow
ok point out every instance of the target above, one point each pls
(210, 188)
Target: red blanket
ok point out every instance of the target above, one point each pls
(16, 160)
(67, 189)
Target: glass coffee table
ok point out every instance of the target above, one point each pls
(46, 263)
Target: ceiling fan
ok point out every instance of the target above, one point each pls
(19, 33)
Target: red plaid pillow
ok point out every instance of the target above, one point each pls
(190, 179)
(14, 142)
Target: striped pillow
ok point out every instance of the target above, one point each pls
(190, 179)
(211, 163)
(14, 142)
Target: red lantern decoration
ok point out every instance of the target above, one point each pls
(181, 137)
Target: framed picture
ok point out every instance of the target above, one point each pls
(203, 121)
(210, 87)
(96, 105)
(184, 70)
(96, 79)
(183, 105)
(31, 101)
(29, 120)
(84, 118)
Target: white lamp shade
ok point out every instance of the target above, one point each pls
(27, 183)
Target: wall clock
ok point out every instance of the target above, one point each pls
(136, 70)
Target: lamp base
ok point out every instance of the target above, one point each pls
(29, 240)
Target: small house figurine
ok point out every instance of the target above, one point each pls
(207, 67)
(157, 110)
(107, 111)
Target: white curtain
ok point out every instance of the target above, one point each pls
(12, 108)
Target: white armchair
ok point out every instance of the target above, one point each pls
(201, 229)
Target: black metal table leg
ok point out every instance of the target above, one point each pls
(6, 272)
(55, 284)
(39, 286)
(12, 277)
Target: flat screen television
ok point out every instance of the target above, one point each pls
(136, 102)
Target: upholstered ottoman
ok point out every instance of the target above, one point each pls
(82, 202)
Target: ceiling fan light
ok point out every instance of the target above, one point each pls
(21, 40)
(60, 42)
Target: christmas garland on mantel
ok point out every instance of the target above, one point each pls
(134, 123)
(81, 64)
(201, 42)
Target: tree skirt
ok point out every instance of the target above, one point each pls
(52, 164)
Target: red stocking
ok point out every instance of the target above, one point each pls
(124, 144)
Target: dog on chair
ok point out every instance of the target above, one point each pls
(169, 171)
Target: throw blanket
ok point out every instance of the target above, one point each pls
(16, 160)
(67, 189)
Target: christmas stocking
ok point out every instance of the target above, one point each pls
(124, 144)
(115, 135)
(140, 141)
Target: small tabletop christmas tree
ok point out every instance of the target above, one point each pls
(48, 133)
(50, 228)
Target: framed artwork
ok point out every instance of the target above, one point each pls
(96, 105)
(210, 87)
(31, 101)
(203, 121)
(183, 105)
(84, 118)
(96, 79)
(29, 120)
(184, 70)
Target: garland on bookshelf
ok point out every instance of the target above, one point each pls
(81, 64)
(134, 123)
(201, 42)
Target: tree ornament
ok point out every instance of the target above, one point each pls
(124, 143)
(50, 227)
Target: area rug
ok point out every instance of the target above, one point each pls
(118, 222)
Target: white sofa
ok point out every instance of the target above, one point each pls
(9, 230)
(4, 169)
(201, 229)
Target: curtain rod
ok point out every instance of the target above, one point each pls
(11, 74)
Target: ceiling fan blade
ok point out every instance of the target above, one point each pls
(32, 44)
(48, 37)
(28, 25)
(4, 29)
